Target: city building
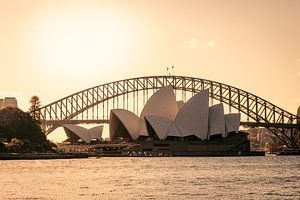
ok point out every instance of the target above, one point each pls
(8, 102)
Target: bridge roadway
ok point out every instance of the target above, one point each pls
(106, 121)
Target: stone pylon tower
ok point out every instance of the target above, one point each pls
(8, 102)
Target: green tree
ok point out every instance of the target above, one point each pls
(14, 123)
(35, 105)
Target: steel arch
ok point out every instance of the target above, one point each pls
(262, 113)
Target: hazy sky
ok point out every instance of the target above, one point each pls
(55, 48)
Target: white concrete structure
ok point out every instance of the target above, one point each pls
(216, 120)
(160, 125)
(180, 104)
(8, 102)
(232, 122)
(162, 103)
(96, 132)
(75, 132)
(124, 123)
(193, 116)
(178, 131)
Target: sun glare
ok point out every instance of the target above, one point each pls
(94, 42)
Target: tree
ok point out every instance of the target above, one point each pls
(14, 123)
(35, 105)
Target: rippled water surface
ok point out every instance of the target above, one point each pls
(270, 177)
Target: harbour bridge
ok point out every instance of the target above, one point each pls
(93, 105)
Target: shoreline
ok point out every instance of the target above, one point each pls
(47, 156)
(39, 156)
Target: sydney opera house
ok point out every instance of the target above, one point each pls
(164, 118)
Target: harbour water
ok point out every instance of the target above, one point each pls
(270, 177)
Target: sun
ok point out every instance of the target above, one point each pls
(73, 44)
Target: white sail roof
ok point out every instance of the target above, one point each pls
(83, 133)
(232, 122)
(160, 125)
(128, 119)
(96, 132)
(161, 103)
(216, 120)
(178, 131)
(193, 116)
(180, 104)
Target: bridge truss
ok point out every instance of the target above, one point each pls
(94, 104)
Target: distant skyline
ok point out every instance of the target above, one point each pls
(55, 48)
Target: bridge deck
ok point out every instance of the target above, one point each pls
(106, 121)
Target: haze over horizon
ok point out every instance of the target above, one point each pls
(55, 48)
